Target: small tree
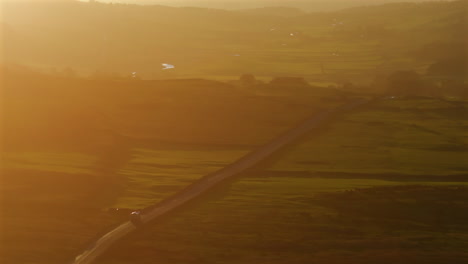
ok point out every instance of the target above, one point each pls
(247, 80)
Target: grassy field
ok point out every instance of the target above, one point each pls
(121, 144)
(130, 134)
(393, 137)
(339, 196)
(277, 220)
(156, 174)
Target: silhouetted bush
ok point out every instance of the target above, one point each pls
(247, 80)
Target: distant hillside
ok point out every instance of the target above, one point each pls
(274, 11)
(199, 42)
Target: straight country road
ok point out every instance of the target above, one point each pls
(206, 183)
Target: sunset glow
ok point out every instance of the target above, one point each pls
(233, 132)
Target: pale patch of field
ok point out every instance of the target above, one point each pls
(156, 174)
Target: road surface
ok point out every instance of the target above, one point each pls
(207, 182)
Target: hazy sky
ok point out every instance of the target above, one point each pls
(305, 4)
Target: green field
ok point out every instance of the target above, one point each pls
(91, 122)
(393, 137)
(154, 175)
(64, 187)
(339, 196)
(121, 144)
(292, 220)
